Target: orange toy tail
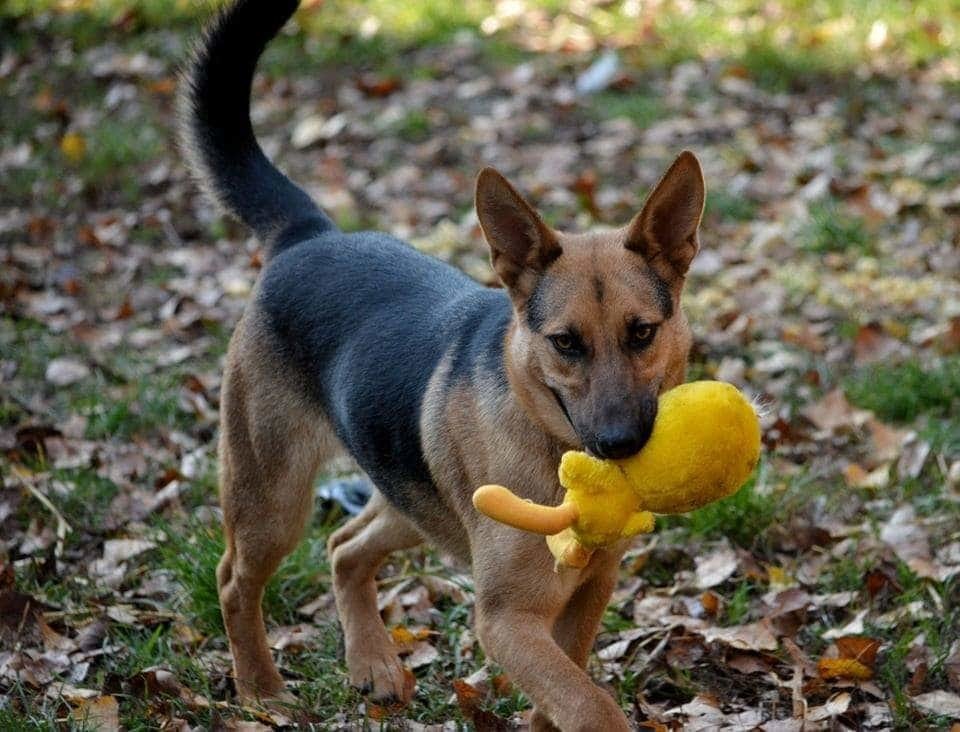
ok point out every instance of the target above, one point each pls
(503, 505)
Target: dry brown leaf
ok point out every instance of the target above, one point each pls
(939, 703)
(715, 568)
(834, 413)
(751, 637)
(100, 714)
(748, 663)
(887, 441)
(872, 344)
(711, 602)
(909, 539)
(469, 699)
(292, 637)
(952, 666)
(858, 647)
(422, 654)
(835, 705)
(856, 477)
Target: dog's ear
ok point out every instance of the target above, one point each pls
(521, 244)
(665, 231)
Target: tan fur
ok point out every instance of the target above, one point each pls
(537, 623)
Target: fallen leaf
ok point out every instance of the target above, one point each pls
(854, 627)
(834, 413)
(843, 668)
(751, 637)
(748, 663)
(939, 703)
(66, 370)
(856, 477)
(73, 147)
(835, 705)
(715, 568)
(292, 637)
(101, 714)
(858, 647)
(952, 666)
(423, 654)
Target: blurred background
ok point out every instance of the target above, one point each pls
(828, 287)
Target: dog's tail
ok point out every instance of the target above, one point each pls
(217, 135)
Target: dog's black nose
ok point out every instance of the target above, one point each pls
(615, 444)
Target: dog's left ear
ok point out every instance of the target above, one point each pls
(665, 231)
(521, 244)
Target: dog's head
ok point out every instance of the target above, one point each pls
(598, 332)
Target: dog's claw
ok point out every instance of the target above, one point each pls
(385, 681)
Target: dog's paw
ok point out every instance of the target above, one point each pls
(382, 678)
(268, 691)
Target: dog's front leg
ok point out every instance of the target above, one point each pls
(576, 628)
(519, 599)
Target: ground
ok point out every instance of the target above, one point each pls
(828, 288)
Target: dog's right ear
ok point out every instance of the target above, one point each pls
(521, 244)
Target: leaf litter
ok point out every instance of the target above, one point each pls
(829, 249)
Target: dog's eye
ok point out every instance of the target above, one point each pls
(566, 343)
(640, 335)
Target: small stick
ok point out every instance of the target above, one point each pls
(63, 528)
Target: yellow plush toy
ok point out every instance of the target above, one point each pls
(704, 445)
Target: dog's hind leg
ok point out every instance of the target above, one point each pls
(272, 443)
(356, 553)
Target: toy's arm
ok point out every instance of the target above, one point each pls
(591, 475)
(502, 505)
(641, 522)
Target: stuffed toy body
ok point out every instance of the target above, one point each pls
(704, 445)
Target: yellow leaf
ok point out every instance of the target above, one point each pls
(843, 668)
(779, 578)
(402, 637)
(73, 146)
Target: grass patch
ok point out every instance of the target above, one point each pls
(193, 561)
(939, 632)
(135, 409)
(830, 229)
(902, 393)
(743, 517)
(843, 575)
(737, 608)
(115, 151)
(729, 207)
(414, 126)
(31, 345)
(640, 108)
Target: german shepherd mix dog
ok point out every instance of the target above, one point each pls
(435, 385)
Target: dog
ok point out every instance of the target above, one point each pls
(434, 384)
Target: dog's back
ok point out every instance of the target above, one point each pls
(362, 318)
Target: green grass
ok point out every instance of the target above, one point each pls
(903, 392)
(846, 574)
(641, 108)
(126, 411)
(743, 517)
(939, 632)
(116, 152)
(830, 229)
(727, 206)
(301, 577)
(737, 608)
(414, 126)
